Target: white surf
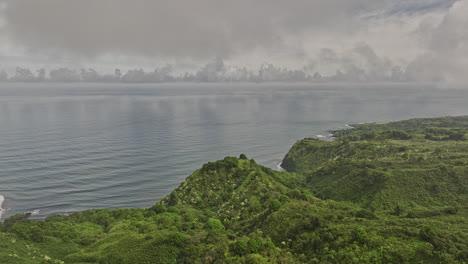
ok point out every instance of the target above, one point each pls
(34, 212)
(2, 200)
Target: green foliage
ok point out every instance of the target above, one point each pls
(364, 213)
(381, 193)
(215, 224)
(398, 166)
(240, 248)
(275, 205)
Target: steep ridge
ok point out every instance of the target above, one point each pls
(235, 189)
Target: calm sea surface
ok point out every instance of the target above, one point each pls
(71, 147)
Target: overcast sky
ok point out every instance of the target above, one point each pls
(425, 37)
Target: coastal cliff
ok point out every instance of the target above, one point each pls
(380, 193)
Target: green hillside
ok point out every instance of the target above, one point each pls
(381, 193)
(413, 163)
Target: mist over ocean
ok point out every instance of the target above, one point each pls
(71, 147)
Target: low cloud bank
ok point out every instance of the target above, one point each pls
(418, 40)
(370, 68)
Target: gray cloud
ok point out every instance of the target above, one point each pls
(397, 39)
(197, 29)
(170, 27)
(446, 46)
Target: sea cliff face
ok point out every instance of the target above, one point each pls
(380, 193)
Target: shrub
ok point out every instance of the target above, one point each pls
(398, 210)
(427, 234)
(284, 199)
(240, 248)
(275, 205)
(214, 224)
(159, 208)
(254, 245)
(360, 235)
(363, 213)
(458, 136)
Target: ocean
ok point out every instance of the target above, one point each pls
(71, 147)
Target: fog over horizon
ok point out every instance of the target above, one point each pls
(209, 40)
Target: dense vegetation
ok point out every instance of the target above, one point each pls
(381, 193)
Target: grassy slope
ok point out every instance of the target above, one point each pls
(410, 163)
(383, 193)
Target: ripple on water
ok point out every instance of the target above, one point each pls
(108, 147)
